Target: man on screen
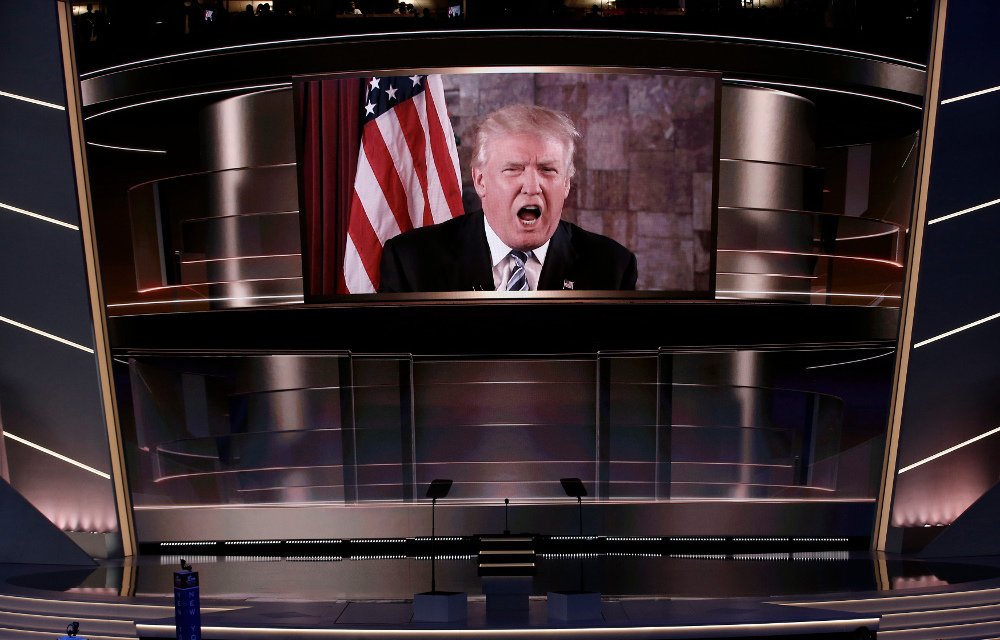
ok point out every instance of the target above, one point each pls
(521, 168)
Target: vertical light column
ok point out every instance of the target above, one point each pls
(102, 349)
(54, 383)
(880, 537)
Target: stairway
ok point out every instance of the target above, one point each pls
(965, 615)
(23, 618)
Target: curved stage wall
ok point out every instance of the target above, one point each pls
(760, 413)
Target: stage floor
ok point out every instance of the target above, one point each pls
(382, 578)
(756, 595)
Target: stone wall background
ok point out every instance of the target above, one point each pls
(643, 170)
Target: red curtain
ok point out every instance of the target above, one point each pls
(330, 113)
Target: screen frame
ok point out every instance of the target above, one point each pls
(473, 297)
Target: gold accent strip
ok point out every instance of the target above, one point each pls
(883, 513)
(102, 351)
(128, 579)
(882, 572)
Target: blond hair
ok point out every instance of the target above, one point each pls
(530, 119)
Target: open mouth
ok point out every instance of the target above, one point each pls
(529, 215)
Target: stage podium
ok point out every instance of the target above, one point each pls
(507, 568)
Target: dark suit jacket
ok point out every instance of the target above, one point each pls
(455, 256)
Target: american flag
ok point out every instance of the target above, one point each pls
(408, 174)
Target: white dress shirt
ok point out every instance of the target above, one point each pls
(503, 263)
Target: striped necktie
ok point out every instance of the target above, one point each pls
(518, 280)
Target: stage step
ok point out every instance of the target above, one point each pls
(26, 618)
(19, 634)
(965, 615)
(507, 556)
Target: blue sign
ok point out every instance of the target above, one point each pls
(187, 605)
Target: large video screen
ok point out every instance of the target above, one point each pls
(515, 182)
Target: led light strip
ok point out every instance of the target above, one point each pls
(949, 450)
(837, 364)
(954, 331)
(270, 255)
(190, 95)
(842, 625)
(764, 275)
(811, 293)
(8, 434)
(809, 254)
(39, 216)
(111, 146)
(32, 101)
(140, 304)
(203, 284)
(963, 211)
(45, 334)
(814, 88)
(372, 36)
(970, 95)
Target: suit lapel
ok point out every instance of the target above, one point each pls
(474, 270)
(559, 261)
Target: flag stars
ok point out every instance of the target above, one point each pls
(369, 109)
(373, 84)
(415, 80)
(392, 92)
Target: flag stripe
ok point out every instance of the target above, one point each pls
(413, 134)
(385, 173)
(394, 130)
(355, 278)
(437, 200)
(443, 147)
(373, 203)
(367, 247)
(407, 173)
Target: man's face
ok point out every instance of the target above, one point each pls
(523, 185)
